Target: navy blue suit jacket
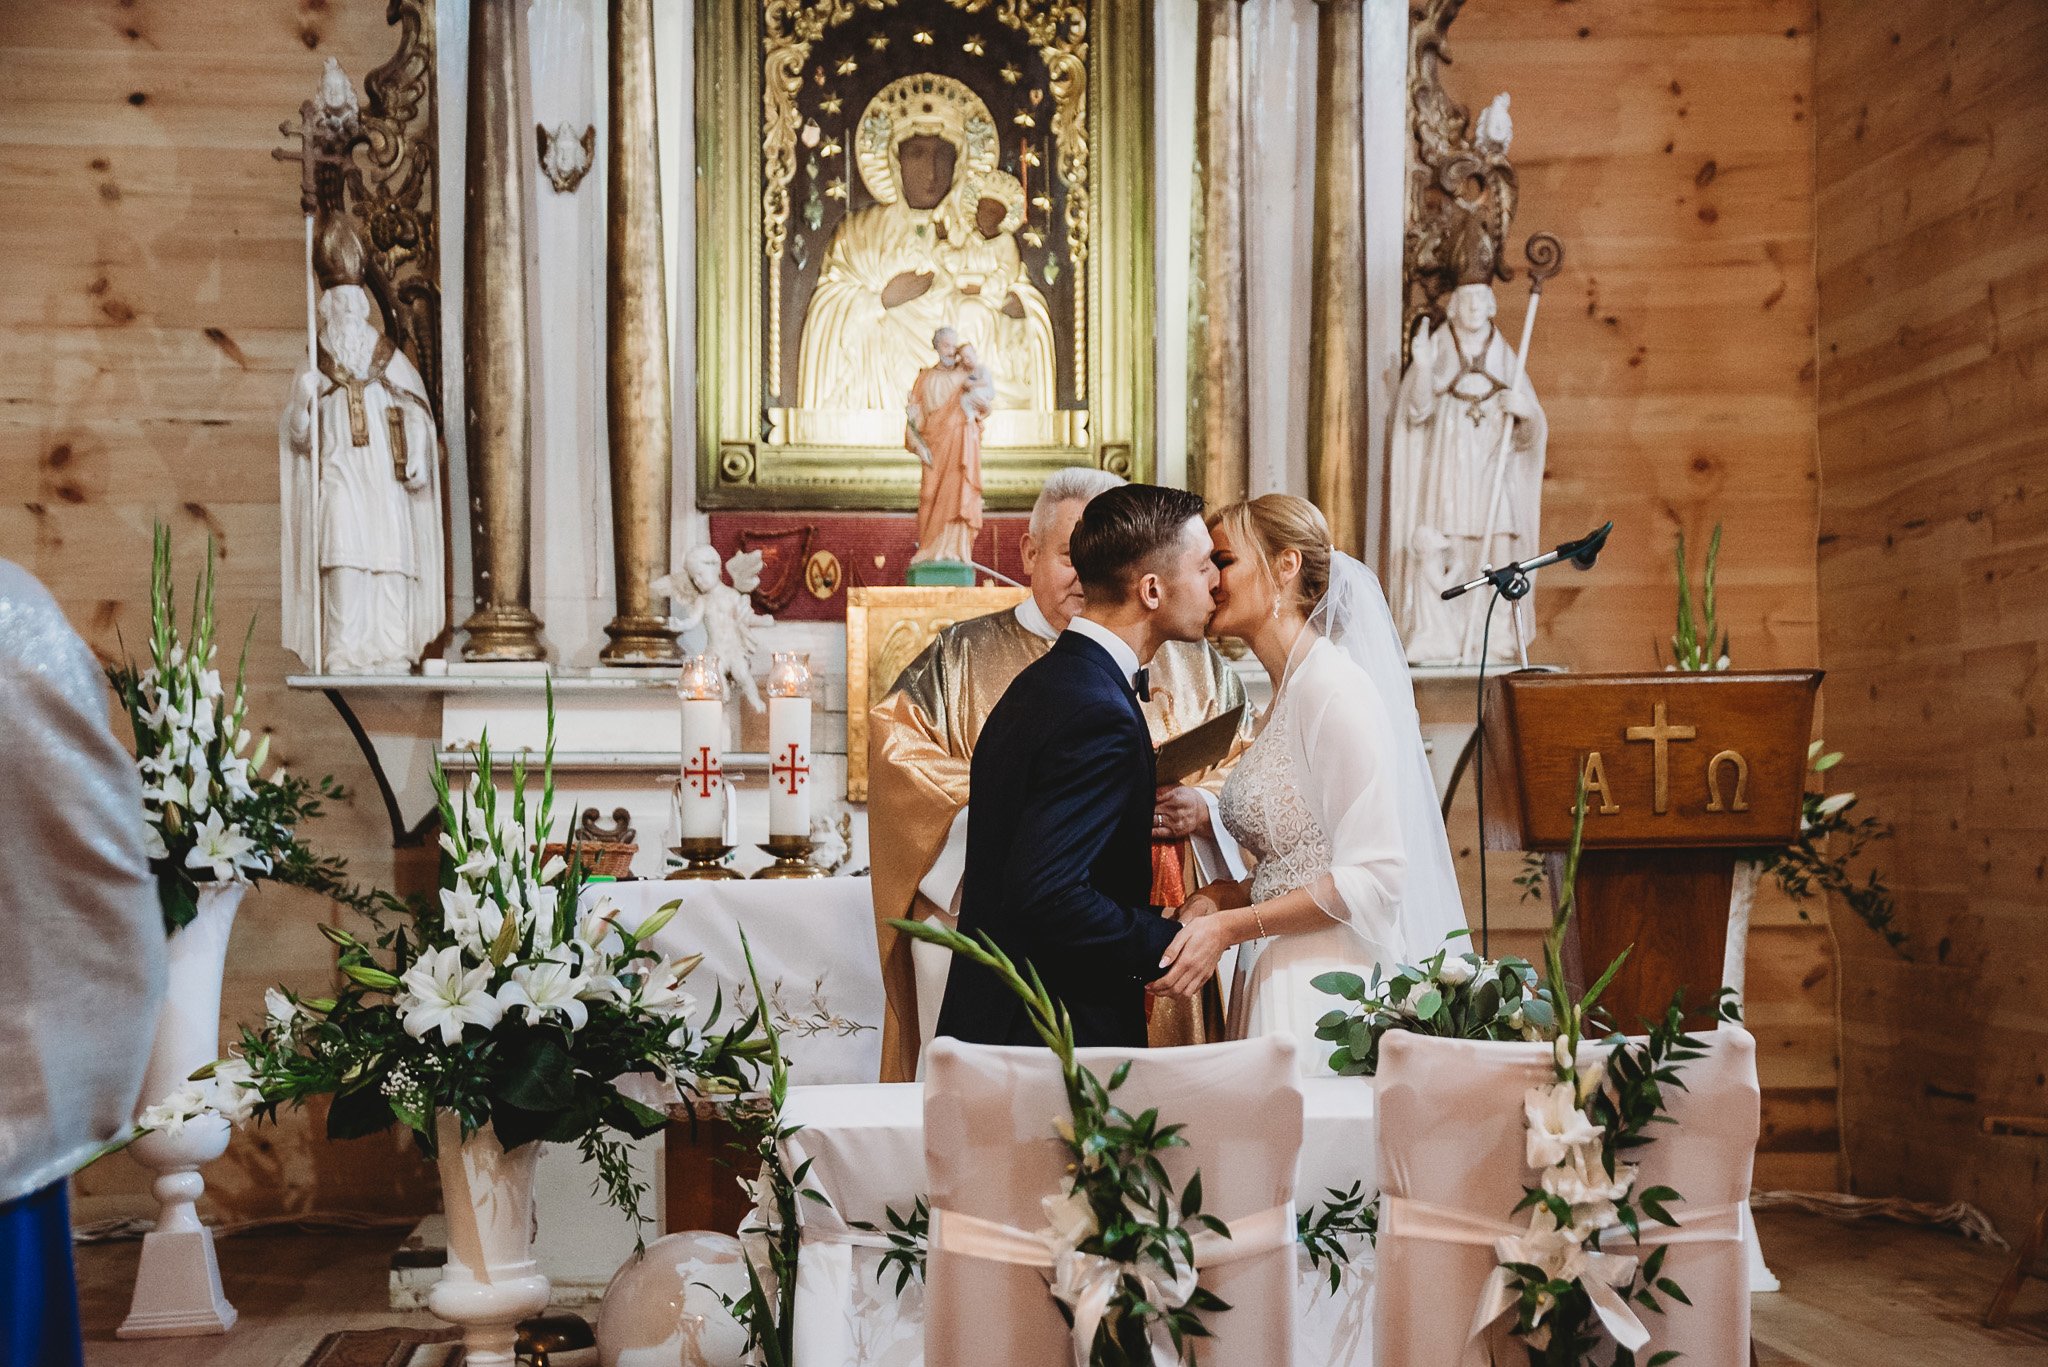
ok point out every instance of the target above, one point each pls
(1059, 854)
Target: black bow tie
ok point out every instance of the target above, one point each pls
(1141, 684)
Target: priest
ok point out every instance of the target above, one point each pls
(920, 741)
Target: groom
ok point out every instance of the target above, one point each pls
(1059, 863)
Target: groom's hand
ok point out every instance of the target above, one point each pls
(1191, 959)
(1179, 813)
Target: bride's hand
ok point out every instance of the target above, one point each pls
(1191, 959)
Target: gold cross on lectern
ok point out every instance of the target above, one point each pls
(1660, 733)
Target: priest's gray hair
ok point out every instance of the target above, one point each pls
(1072, 484)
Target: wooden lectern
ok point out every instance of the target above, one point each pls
(1684, 773)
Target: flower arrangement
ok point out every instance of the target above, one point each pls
(211, 813)
(503, 1004)
(1122, 1238)
(1456, 995)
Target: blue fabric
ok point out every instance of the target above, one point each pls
(39, 1307)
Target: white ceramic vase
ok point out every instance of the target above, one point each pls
(177, 1287)
(491, 1281)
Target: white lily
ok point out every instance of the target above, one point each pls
(474, 921)
(153, 842)
(478, 865)
(438, 994)
(223, 849)
(662, 994)
(1581, 1180)
(547, 988)
(281, 1011)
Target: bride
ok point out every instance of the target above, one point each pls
(1334, 797)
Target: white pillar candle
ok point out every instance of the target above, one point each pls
(789, 745)
(789, 768)
(702, 793)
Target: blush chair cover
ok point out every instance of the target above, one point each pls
(991, 1156)
(1451, 1169)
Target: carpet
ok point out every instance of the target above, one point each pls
(395, 1347)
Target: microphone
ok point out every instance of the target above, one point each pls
(1582, 553)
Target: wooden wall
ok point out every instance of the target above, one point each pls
(1670, 143)
(1933, 167)
(152, 317)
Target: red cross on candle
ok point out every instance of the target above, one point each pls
(705, 772)
(794, 772)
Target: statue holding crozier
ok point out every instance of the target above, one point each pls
(921, 739)
(359, 460)
(1465, 466)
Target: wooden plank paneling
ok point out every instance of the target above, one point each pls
(152, 319)
(1670, 144)
(1932, 166)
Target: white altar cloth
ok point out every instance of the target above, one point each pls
(865, 1145)
(814, 945)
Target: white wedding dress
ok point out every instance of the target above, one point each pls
(1335, 796)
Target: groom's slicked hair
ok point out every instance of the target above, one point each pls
(1123, 531)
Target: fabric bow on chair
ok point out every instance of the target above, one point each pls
(993, 1158)
(1452, 1167)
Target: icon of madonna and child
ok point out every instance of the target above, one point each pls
(936, 249)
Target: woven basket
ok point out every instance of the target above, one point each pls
(608, 858)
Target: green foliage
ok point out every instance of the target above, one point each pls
(1449, 995)
(909, 1243)
(1322, 1228)
(1693, 646)
(1830, 839)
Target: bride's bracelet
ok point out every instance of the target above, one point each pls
(1259, 920)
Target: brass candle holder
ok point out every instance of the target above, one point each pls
(792, 858)
(703, 857)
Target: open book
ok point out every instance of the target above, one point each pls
(1197, 748)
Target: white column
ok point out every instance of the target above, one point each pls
(451, 75)
(571, 496)
(1173, 195)
(675, 65)
(1280, 85)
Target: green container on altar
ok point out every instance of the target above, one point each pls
(933, 574)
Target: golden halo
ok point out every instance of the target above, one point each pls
(926, 104)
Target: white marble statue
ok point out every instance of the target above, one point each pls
(360, 489)
(700, 598)
(1466, 478)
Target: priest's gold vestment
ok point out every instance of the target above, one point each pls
(921, 740)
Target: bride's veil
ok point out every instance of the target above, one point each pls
(1354, 618)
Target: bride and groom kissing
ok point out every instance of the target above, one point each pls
(1333, 798)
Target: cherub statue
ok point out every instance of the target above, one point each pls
(699, 597)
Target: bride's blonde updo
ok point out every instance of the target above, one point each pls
(1271, 523)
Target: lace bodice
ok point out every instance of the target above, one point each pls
(1267, 814)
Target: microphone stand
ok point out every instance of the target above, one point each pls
(1511, 583)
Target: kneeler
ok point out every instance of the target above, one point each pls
(992, 1159)
(1452, 1167)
